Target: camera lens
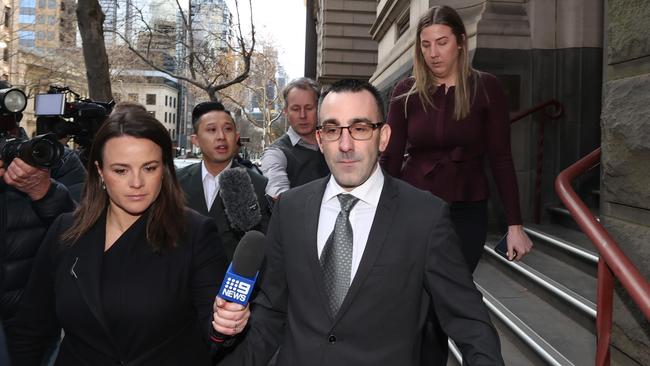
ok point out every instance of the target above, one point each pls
(44, 151)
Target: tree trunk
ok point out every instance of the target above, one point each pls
(90, 19)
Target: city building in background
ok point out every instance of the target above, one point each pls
(158, 92)
(42, 50)
(338, 40)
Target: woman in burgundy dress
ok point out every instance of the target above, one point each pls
(448, 116)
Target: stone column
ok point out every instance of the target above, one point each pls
(625, 188)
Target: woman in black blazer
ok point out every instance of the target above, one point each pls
(131, 276)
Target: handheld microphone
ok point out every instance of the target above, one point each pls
(239, 199)
(239, 281)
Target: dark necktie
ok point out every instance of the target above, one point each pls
(336, 258)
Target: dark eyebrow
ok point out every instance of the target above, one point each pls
(360, 120)
(333, 121)
(439, 38)
(114, 165)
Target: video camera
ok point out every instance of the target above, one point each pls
(79, 119)
(44, 150)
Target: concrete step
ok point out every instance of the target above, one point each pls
(556, 270)
(561, 216)
(514, 348)
(556, 320)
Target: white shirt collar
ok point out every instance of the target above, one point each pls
(297, 139)
(205, 172)
(368, 192)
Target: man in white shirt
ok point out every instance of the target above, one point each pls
(216, 134)
(294, 158)
(354, 261)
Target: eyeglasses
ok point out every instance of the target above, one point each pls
(359, 131)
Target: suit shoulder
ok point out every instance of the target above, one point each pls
(188, 170)
(300, 192)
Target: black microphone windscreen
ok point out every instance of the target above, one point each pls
(249, 254)
(239, 199)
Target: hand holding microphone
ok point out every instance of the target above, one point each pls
(231, 310)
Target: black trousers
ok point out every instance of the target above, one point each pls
(470, 220)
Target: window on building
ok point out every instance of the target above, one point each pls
(40, 19)
(165, 101)
(50, 36)
(165, 117)
(174, 102)
(51, 19)
(174, 117)
(26, 38)
(51, 4)
(41, 3)
(403, 22)
(40, 35)
(117, 97)
(26, 19)
(28, 3)
(151, 99)
(5, 55)
(133, 97)
(7, 17)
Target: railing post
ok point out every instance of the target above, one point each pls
(604, 309)
(558, 110)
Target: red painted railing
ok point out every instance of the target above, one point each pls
(554, 113)
(613, 262)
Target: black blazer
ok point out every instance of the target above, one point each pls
(192, 184)
(411, 259)
(167, 299)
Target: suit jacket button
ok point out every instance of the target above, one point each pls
(332, 338)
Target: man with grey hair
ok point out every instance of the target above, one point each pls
(294, 158)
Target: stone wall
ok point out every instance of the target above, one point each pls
(625, 123)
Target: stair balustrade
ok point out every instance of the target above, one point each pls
(552, 109)
(612, 261)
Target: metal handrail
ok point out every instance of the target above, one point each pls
(612, 262)
(556, 112)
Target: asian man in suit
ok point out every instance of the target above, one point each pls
(216, 134)
(355, 259)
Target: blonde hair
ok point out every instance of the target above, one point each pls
(425, 81)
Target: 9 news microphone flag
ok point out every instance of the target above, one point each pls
(239, 281)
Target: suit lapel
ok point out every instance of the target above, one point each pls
(195, 193)
(310, 239)
(86, 270)
(383, 221)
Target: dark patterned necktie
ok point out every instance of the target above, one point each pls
(336, 258)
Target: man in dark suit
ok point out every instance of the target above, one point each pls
(354, 260)
(216, 134)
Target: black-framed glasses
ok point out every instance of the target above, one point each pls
(359, 131)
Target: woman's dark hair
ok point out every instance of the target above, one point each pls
(164, 224)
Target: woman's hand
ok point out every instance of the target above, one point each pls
(229, 318)
(518, 243)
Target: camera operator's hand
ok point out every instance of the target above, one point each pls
(33, 181)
